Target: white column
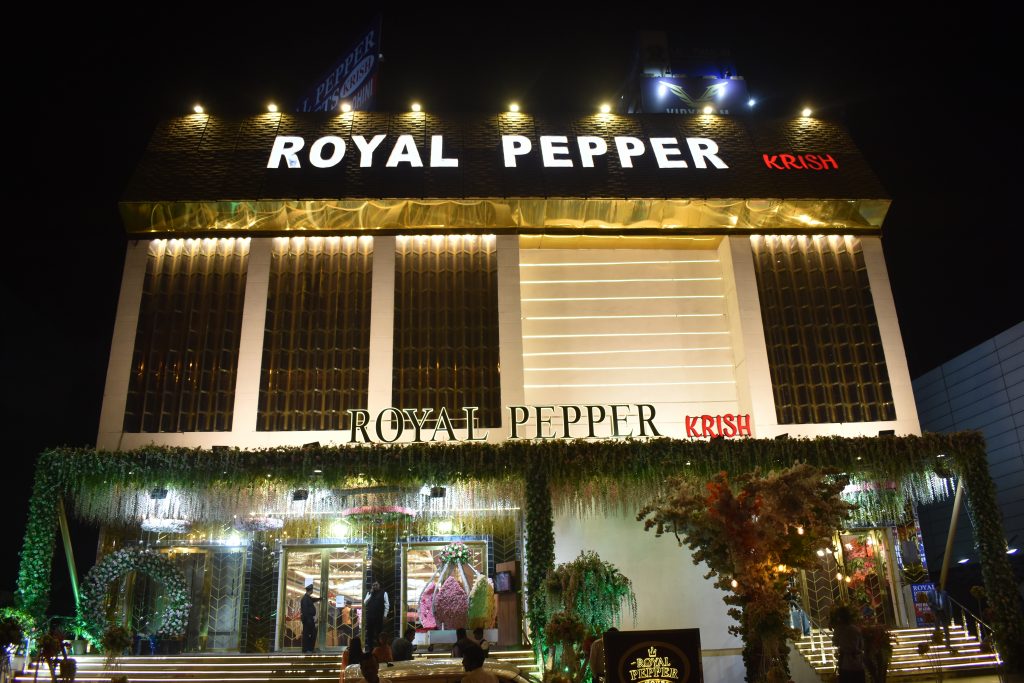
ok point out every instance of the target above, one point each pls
(892, 341)
(250, 345)
(510, 329)
(122, 346)
(382, 324)
(753, 376)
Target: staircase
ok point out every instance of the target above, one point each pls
(235, 668)
(962, 658)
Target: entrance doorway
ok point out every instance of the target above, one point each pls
(859, 570)
(336, 573)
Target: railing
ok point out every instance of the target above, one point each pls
(982, 631)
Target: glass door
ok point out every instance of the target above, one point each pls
(338, 568)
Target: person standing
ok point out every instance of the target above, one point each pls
(849, 642)
(402, 647)
(307, 609)
(375, 611)
(938, 600)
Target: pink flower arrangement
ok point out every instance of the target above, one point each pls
(452, 604)
(427, 607)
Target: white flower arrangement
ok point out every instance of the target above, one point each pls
(174, 618)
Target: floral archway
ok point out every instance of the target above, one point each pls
(92, 609)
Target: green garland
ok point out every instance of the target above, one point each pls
(93, 607)
(34, 573)
(1000, 584)
(581, 476)
(540, 554)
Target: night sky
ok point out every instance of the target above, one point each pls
(928, 103)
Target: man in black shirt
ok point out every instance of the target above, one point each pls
(308, 612)
(375, 610)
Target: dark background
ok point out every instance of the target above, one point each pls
(928, 101)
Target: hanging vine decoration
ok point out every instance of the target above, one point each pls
(580, 477)
(174, 617)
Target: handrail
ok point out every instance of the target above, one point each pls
(983, 631)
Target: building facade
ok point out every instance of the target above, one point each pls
(387, 279)
(982, 389)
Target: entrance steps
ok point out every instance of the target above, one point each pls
(233, 668)
(963, 657)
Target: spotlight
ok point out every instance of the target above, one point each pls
(963, 560)
(198, 109)
(1011, 551)
(606, 108)
(887, 432)
(708, 109)
(158, 494)
(311, 444)
(513, 107)
(272, 108)
(751, 102)
(806, 111)
(346, 107)
(437, 492)
(300, 494)
(416, 106)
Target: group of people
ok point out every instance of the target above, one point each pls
(376, 606)
(375, 610)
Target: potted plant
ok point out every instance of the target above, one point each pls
(80, 642)
(114, 642)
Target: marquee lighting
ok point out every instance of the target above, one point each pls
(514, 107)
(416, 106)
(346, 107)
(626, 298)
(806, 111)
(594, 353)
(272, 108)
(606, 108)
(198, 109)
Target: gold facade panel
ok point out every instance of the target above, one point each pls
(316, 344)
(506, 214)
(186, 342)
(824, 346)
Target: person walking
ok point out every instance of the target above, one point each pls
(307, 609)
(375, 611)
